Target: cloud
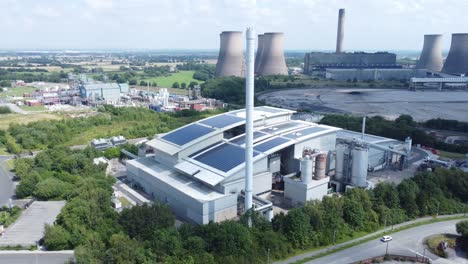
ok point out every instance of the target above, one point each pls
(46, 12)
(99, 4)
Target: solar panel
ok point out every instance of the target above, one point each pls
(267, 145)
(241, 140)
(224, 157)
(186, 134)
(304, 132)
(221, 121)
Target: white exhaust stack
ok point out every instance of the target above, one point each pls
(249, 109)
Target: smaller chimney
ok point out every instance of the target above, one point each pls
(340, 32)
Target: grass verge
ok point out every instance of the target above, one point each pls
(451, 155)
(10, 163)
(33, 108)
(376, 236)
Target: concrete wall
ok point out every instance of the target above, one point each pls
(299, 193)
(374, 74)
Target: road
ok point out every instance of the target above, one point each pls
(7, 187)
(407, 242)
(35, 257)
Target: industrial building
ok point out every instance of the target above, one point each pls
(374, 74)
(108, 92)
(198, 169)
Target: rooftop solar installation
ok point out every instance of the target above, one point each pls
(241, 140)
(224, 157)
(221, 121)
(267, 145)
(305, 132)
(186, 134)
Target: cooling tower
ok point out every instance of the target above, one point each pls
(457, 59)
(258, 57)
(340, 31)
(273, 62)
(231, 55)
(431, 55)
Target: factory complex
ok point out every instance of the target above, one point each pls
(199, 169)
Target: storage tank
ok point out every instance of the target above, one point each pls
(306, 169)
(359, 169)
(320, 165)
(339, 162)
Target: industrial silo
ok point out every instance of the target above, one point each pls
(359, 168)
(231, 55)
(431, 55)
(258, 57)
(273, 61)
(339, 161)
(306, 169)
(320, 166)
(457, 59)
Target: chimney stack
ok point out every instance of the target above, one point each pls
(457, 59)
(431, 55)
(340, 32)
(231, 55)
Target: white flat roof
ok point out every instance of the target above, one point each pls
(183, 184)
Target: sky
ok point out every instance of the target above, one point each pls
(371, 25)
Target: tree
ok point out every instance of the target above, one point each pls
(408, 192)
(56, 237)
(11, 145)
(125, 250)
(176, 85)
(27, 186)
(183, 85)
(192, 84)
(142, 83)
(462, 228)
(52, 188)
(353, 213)
(132, 82)
(297, 228)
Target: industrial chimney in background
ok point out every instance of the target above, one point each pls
(457, 59)
(258, 57)
(431, 55)
(340, 32)
(231, 55)
(272, 60)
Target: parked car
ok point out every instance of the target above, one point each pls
(386, 239)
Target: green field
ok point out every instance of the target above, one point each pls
(451, 155)
(33, 108)
(6, 120)
(166, 82)
(17, 91)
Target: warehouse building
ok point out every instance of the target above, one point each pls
(374, 74)
(108, 92)
(198, 169)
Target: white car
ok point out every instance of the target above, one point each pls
(386, 238)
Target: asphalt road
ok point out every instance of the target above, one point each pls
(408, 242)
(7, 187)
(35, 257)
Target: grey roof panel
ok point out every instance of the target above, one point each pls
(241, 140)
(186, 134)
(221, 121)
(305, 132)
(283, 127)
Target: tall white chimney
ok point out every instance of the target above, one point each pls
(249, 109)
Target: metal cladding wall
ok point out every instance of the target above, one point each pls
(431, 55)
(259, 56)
(457, 59)
(340, 31)
(231, 55)
(273, 61)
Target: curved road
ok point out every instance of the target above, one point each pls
(407, 242)
(7, 187)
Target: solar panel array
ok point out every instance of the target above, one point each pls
(186, 134)
(283, 127)
(224, 157)
(267, 145)
(221, 121)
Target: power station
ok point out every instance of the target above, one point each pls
(231, 55)
(431, 55)
(457, 59)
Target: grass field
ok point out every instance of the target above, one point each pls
(182, 76)
(6, 120)
(17, 91)
(451, 155)
(32, 108)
